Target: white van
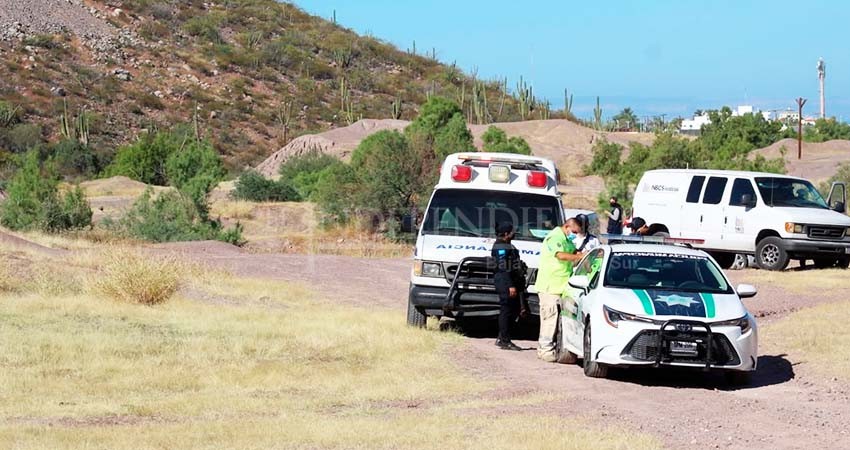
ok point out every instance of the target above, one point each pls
(451, 273)
(774, 217)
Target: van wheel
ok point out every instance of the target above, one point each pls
(591, 368)
(771, 254)
(562, 355)
(415, 317)
(844, 262)
(725, 260)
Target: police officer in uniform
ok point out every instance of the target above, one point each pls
(510, 283)
(615, 217)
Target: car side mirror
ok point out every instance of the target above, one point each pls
(746, 291)
(839, 207)
(748, 201)
(579, 282)
(408, 224)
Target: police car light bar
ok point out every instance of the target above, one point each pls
(627, 238)
(499, 159)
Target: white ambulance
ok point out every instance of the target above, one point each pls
(775, 218)
(451, 275)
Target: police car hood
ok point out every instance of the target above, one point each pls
(669, 304)
(452, 249)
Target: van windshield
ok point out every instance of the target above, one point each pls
(468, 212)
(789, 192)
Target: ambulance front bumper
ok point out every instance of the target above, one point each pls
(468, 302)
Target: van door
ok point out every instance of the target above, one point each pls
(711, 212)
(738, 230)
(690, 219)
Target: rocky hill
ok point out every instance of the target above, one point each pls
(249, 74)
(820, 159)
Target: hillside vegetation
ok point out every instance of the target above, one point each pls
(249, 75)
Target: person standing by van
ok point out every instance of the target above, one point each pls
(510, 283)
(557, 256)
(615, 217)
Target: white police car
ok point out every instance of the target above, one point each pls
(646, 301)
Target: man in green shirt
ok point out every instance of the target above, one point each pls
(556, 266)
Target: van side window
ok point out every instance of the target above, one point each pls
(740, 188)
(696, 189)
(714, 190)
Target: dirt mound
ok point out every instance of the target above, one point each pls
(565, 142)
(339, 142)
(820, 159)
(114, 186)
(9, 241)
(214, 249)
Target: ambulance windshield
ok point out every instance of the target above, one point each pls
(475, 213)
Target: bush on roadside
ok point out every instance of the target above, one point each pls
(497, 141)
(252, 186)
(302, 171)
(135, 277)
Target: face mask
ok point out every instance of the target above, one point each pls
(571, 236)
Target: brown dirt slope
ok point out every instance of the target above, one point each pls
(565, 142)
(819, 161)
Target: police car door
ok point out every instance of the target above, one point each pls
(574, 302)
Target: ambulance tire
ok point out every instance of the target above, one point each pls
(562, 355)
(591, 369)
(771, 254)
(415, 317)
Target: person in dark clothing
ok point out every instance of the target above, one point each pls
(510, 283)
(615, 217)
(639, 227)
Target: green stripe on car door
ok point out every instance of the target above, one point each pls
(708, 300)
(647, 302)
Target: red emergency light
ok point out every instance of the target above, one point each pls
(537, 179)
(461, 173)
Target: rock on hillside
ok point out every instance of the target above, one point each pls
(565, 142)
(820, 160)
(339, 142)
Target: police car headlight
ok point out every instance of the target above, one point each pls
(613, 317)
(743, 323)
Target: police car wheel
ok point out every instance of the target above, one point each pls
(415, 318)
(591, 369)
(562, 355)
(735, 378)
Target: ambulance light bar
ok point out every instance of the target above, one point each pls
(499, 173)
(651, 239)
(484, 157)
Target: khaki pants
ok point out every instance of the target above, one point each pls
(548, 326)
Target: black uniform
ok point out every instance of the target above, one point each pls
(509, 272)
(615, 222)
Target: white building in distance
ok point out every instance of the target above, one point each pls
(694, 126)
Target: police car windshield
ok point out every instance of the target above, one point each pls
(790, 192)
(670, 272)
(475, 213)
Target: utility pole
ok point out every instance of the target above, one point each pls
(800, 102)
(821, 77)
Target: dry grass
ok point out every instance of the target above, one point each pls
(818, 336)
(268, 368)
(236, 210)
(803, 281)
(135, 277)
(7, 279)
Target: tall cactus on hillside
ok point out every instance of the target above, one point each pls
(397, 108)
(597, 115)
(74, 129)
(545, 110)
(479, 102)
(568, 103)
(503, 94)
(461, 95)
(343, 92)
(284, 117)
(525, 96)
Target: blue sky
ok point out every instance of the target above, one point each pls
(659, 57)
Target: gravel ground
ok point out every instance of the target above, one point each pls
(50, 17)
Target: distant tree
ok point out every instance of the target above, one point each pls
(625, 119)
(302, 171)
(606, 159)
(827, 130)
(387, 171)
(252, 186)
(497, 141)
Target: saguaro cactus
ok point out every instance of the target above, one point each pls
(525, 96)
(568, 103)
(479, 102)
(597, 115)
(397, 108)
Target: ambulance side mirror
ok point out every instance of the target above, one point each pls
(408, 224)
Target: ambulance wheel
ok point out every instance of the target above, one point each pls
(562, 355)
(771, 254)
(415, 317)
(591, 369)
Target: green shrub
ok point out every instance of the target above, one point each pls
(74, 158)
(195, 169)
(495, 140)
(302, 171)
(23, 136)
(145, 160)
(41, 40)
(205, 27)
(173, 216)
(9, 114)
(34, 201)
(335, 192)
(387, 172)
(252, 186)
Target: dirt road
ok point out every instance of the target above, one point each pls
(786, 406)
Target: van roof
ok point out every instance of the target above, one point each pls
(728, 173)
